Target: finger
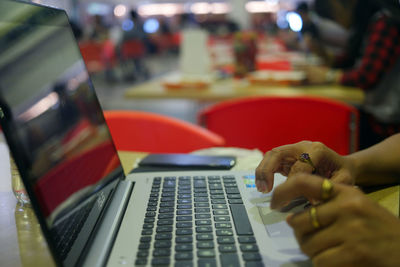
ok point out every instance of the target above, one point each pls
(275, 160)
(333, 257)
(309, 186)
(318, 241)
(300, 167)
(342, 176)
(327, 213)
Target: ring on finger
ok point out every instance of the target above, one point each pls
(305, 157)
(314, 219)
(326, 190)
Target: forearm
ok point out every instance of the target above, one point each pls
(379, 164)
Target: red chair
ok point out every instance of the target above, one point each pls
(132, 49)
(98, 56)
(268, 122)
(154, 133)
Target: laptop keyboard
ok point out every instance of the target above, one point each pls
(197, 221)
(67, 230)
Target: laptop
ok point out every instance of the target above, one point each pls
(89, 212)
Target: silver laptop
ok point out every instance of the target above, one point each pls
(90, 213)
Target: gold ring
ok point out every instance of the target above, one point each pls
(314, 219)
(327, 188)
(305, 157)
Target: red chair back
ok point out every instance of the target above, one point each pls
(132, 49)
(98, 56)
(155, 133)
(268, 122)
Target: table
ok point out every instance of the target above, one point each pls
(22, 243)
(231, 88)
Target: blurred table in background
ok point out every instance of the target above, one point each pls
(230, 88)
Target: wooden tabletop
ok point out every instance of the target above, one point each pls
(231, 88)
(22, 243)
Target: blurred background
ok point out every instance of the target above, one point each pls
(126, 43)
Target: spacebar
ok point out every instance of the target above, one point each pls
(241, 220)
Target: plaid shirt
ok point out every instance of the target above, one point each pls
(381, 52)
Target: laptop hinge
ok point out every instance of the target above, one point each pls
(103, 242)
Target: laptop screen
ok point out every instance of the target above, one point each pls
(52, 118)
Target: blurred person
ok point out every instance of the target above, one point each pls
(371, 62)
(134, 66)
(344, 227)
(310, 33)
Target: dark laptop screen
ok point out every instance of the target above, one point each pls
(52, 120)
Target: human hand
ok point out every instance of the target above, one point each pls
(353, 230)
(285, 160)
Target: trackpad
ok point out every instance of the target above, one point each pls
(279, 231)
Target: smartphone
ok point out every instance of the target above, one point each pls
(188, 161)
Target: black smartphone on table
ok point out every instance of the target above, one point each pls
(188, 161)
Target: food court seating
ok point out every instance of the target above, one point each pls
(268, 122)
(155, 133)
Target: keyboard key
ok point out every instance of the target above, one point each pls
(217, 197)
(184, 231)
(160, 261)
(164, 229)
(227, 248)
(184, 212)
(235, 201)
(184, 218)
(203, 229)
(183, 264)
(222, 218)
(203, 216)
(206, 263)
(251, 256)
(249, 248)
(204, 236)
(184, 207)
(163, 216)
(201, 199)
(183, 247)
(185, 201)
(150, 214)
(145, 239)
(223, 225)
(147, 231)
(220, 212)
(148, 226)
(246, 239)
(149, 220)
(218, 201)
(200, 195)
(165, 222)
(229, 260)
(205, 244)
(201, 205)
(234, 196)
(184, 256)
(225, 240)
(144, 245)
(142, 253)
(202, 210)
(162, 244)
(161, 253)
(141, 261)
(203, 222)
(219, 206)
(184, 225)
(163, 236)
(166, 210)
(184, 239)
(224, 232)
(232, 190)
(206, 253)
(217, 192)
(242, 223)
